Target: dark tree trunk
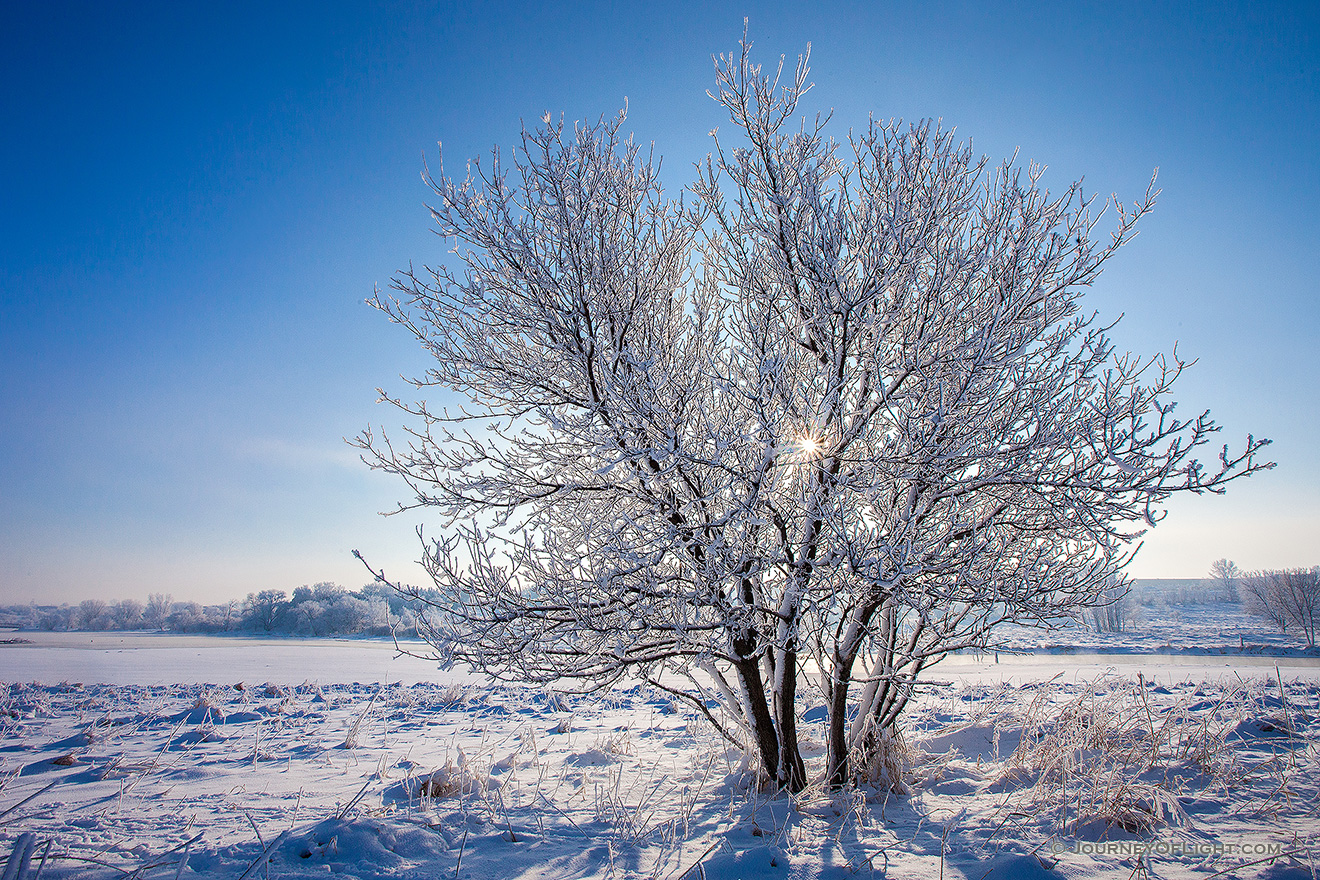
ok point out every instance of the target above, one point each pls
(837, 767)
(763, 726)
(792, 773)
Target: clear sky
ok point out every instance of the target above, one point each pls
(194, 203)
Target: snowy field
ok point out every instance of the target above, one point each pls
(1211, 628)
(135, 755)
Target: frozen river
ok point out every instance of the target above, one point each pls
(163, 658)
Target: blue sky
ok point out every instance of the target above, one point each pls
(194, 204)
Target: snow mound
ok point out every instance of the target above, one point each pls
(366, 848)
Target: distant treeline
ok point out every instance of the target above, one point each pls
(323, 609)
(327, 609)
(1184, 591)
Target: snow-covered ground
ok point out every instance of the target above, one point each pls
(1211, 628)
(177, 757)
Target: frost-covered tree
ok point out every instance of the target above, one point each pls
(1113, 610)
(157, 613)
(1285, 597)
(265, 609)
(59, 619)
(187, 617)
(222, 617)
(127, 614)
(93, 614)
(834, 414)
(1224, 575)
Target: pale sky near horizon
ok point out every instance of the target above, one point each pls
(196, 203)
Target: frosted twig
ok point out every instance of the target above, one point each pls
(352, 803)
(265, 855)
(10, 809)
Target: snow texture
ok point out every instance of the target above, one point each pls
(1005, 775)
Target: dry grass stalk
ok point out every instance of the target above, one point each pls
(1104, 758)
(883, 760)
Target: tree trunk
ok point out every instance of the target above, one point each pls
(836, 764)
(758, 713)
(837, 767)
(792, 773)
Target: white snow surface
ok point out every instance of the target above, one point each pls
(158, 756)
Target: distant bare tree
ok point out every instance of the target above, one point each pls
(92, 615)
(1285, 597)
(1300, 589)
(1224, 575)
(158, 610)
(328, 592)
(228, 617)
(266, 608)
(377, 615)
(1115, 611)
(309, 616)
(126, 614)
(187, 617)
(1260, 596)
(57, 619)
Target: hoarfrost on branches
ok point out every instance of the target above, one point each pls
(831, 415)
(1286, 597)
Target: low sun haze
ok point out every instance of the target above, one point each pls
(197, 202)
